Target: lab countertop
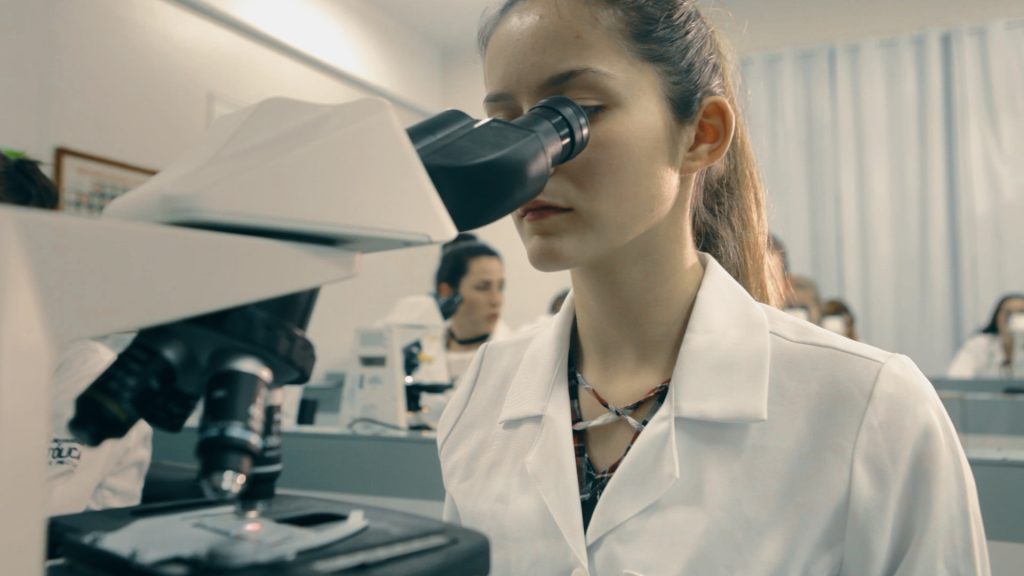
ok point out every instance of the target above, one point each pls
(994, 448)
(402, 468)
(398, 464)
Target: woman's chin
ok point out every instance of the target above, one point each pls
(548, 255)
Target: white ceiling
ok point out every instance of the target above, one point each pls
(752, 25)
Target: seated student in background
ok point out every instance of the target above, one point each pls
(837, 317)
(989, 353)
(79, 477)
(470, 277)
(802, 300)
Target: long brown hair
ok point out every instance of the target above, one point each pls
(728, 214)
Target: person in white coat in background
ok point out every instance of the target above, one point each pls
(81, 477)
(470, 278)
(990, 352)
(669, 421)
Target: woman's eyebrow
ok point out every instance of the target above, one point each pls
(552, 82)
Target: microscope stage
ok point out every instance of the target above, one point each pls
(394, 543)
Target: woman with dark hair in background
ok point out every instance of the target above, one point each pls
(470, 284)
(802, 298)
(669, 420)
(837, 317)
(990, 352)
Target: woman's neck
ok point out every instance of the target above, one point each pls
(1006, 340)
(460, 338)
(632, 309)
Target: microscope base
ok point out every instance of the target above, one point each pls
(393, 543)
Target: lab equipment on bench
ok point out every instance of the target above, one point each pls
(395, 361)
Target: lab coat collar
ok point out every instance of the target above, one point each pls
(721, 372)
(543, 366)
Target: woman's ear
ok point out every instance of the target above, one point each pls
(710, 135)
(444, 290)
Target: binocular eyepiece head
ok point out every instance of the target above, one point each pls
(486, 169)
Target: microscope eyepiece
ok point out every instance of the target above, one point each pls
(485, 170)
(569, 121)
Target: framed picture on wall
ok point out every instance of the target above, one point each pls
(87, 183)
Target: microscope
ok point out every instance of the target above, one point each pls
(308, 189)
(400, 372)
(394, 361)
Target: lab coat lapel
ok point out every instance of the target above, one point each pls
(539, 394)
(552, 465)
(648, 471)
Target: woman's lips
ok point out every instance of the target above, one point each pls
(537, 214)
(541, 209)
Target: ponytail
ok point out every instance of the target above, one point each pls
(728, 212)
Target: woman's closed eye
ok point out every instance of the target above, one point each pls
(592, 111)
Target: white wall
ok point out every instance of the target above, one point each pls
(757, 25)
(355, 37)
(24, 49)
(131, 80)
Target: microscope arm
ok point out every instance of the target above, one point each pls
(97, 277)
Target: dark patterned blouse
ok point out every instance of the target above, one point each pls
(593, 482)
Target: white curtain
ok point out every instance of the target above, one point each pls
(895, 174)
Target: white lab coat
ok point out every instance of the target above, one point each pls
(451, 366)
(782, 449)
(982, 356)
(80, 477)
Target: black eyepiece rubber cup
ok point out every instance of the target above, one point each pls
(576, 124)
